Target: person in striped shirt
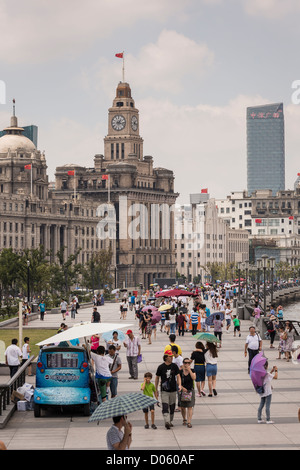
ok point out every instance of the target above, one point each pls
(194, 320)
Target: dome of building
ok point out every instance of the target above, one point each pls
(15, 142)
(14, 138)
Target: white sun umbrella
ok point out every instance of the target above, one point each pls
(83, 330)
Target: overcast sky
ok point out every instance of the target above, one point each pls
(193, 67)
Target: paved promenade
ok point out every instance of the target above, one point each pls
(225, 422)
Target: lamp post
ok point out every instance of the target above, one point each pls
(247, 269)
(239, 274)
(264, 264)
(272, 266)
(259, 266)
(28, 281)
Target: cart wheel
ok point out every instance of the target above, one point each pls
(86, 409)
(37, 410)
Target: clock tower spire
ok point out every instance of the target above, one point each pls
(123, 137)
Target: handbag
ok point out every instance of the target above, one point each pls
(139, 358)
(186, 396)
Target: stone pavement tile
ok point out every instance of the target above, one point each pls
(35, 439)
(202, 437)
(233, 411)
(290, 431)
(257, 435)
(86, 438)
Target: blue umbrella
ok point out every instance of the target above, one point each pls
(210, 320)
(108, 335)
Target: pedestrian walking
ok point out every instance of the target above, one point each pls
(149, 390)
(63, 309)
(256, 315)
(42, 309)
(96, 317)
(218, 328)
(148, 328)
(114, 367)
(282, 340)
(168, 375)
(26, 354)
(133, 350)
(290, 337)
(73, 309)
(116, 439)
(168, 347)
(266, 396)
(199, 367)
(253, 345)
(194, 320)
(180, 322)
(172, 320)
(271, 328)
(124, 309)
(237, 325)
(211, 360)
(12, 357)
(228, 317)
(187, 392)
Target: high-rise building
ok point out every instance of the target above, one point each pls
(265, 148)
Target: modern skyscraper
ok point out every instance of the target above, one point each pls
(265, 148)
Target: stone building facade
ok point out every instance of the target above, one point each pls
(122, 201)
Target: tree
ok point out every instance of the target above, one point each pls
(9, 270)
(39, 270)
(96, 271)
(64, 273)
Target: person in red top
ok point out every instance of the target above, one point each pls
(180, 323)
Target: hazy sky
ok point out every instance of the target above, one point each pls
(193, 67)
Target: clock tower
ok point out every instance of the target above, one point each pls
(123, 137)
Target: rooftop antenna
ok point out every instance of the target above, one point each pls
(14, 107)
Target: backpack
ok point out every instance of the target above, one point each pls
(96, 317)
(270, 326)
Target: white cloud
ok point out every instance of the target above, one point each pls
(272, 9)
(161, 66)
(38, 31)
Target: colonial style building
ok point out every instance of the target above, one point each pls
(272, 221)
(122, 201)
(203, 238)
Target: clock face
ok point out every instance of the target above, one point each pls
(118, 122)
(134, 123)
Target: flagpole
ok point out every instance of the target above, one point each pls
(74, 186)
(31, 179)
(108, 183)
(123, 67)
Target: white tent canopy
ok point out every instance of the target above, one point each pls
(83, 330)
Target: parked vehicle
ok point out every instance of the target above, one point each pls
(62, 378)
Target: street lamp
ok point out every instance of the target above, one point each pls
(272, 266)
(247, 268)
(265, 264)
(259, 266)
(28, 281)
(239, 274)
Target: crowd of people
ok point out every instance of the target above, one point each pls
(180, 378)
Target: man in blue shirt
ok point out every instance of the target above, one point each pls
(42, 309)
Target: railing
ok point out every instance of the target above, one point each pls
(14, 383)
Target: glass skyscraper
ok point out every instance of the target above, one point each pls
(265, 148)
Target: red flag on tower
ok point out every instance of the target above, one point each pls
(105, 177)
(27, 167)
(120, 55)
(204, 190)
(71, 172)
